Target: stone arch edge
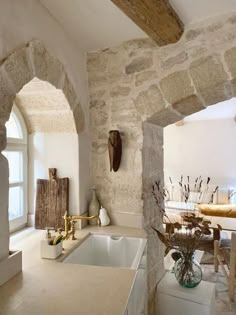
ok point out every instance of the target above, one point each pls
(205, 82)
(20, 67)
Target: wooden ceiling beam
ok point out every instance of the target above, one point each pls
(155, 17)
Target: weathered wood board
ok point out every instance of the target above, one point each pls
(52, 200)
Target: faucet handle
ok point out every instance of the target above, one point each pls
(48, 229)
(59, 230)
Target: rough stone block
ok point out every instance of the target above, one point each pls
(98, 81)
(18, 68)
(155, 258)
(46, 67)
(3, 137)
(139, 64)
(216, 94)
(194, 33)
(120, 91)
(69, 92)
(177, 86)
(230, 59)
(55, 71)
(96, 61)
(98, 117)
(99, 148)
(175, 60)
(149, 101)
(189, 105)
(214, 27)
(38, 52)
(153, 136)
(232, 19)
(124, 113)
(145, 76)
(97, 94)
(6, 98)
(207, 72)
(79, 118)
(165, 117)
(97, 104)
(139, 43)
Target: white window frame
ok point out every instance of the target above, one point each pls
(19, 145)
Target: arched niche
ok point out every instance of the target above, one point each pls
(16, 70)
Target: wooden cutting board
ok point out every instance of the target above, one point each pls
(52, 200)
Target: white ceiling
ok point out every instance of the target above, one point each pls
(222, 110)
(93, 24)
(191, 11)
(96, 24)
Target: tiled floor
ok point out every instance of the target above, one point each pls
(223, 305)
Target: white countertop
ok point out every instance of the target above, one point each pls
(50, 287)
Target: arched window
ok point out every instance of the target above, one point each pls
(16, 153)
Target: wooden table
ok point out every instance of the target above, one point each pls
(227, 224)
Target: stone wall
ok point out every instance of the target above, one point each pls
(138, 82)
(153, 169)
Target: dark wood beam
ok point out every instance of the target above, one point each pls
(155, 17)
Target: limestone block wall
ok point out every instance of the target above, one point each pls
(153, 169)
(138, 82)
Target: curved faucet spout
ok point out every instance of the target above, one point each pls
(70, 221)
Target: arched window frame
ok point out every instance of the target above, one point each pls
(19, 145)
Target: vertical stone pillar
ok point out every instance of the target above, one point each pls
(152, 171)
(4, 224)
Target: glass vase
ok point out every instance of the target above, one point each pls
(187, 271)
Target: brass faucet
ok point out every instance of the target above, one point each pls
(70, 221)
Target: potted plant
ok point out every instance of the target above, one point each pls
(186, 233)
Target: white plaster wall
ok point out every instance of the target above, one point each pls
(54, 150)
(206, 148)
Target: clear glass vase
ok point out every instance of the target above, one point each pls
(187, 271)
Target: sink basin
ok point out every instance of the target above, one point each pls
(106, 250)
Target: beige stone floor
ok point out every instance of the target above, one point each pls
(223, 305)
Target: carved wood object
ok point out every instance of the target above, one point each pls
(52, 200)
(155, 17)
(115, 149)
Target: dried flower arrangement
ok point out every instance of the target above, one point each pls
(189, 229)
(232, 193)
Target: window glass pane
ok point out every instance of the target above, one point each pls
(13, 129)
(15, 202)
(15, 161)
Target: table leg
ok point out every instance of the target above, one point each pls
(216, 234)
(169, 228)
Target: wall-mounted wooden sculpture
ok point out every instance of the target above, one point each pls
(115, 149)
